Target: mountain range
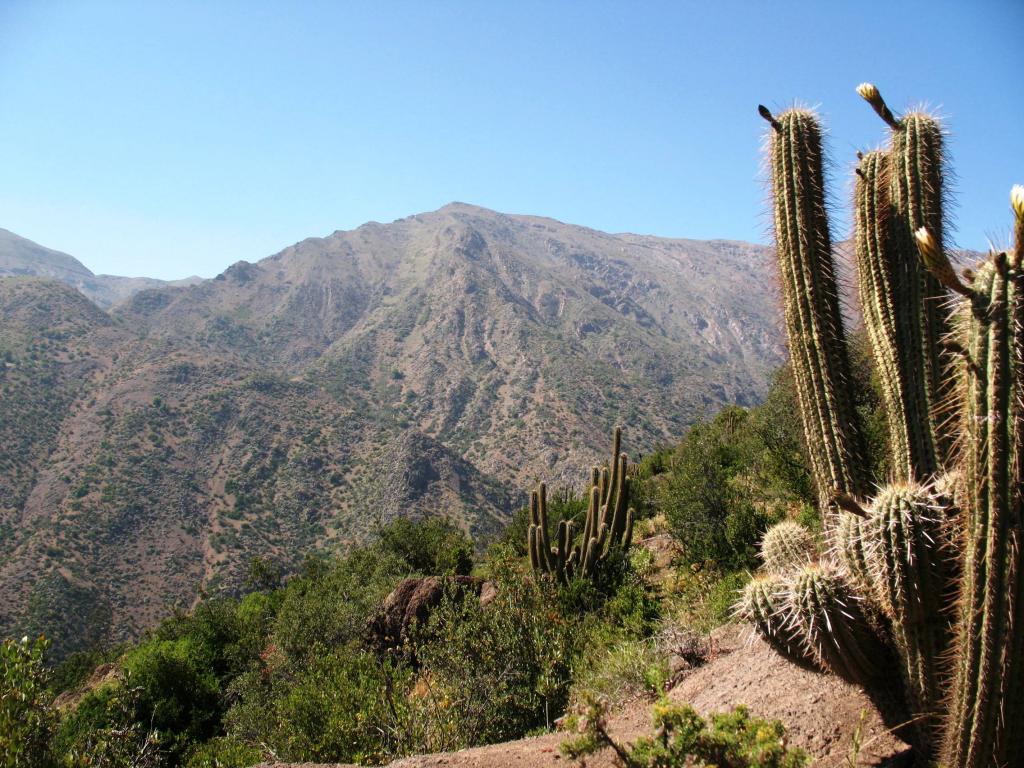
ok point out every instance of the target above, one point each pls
(157, 436)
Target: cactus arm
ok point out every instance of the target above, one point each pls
(545, 538)
(917, 194)
(880, 307)
(613, 484)
(813, 318)
(986, 713)
(627, 536)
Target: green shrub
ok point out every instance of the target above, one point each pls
(222, 752)
(683, 738)
(110, 733)
(707, 496)
(78, 667)
(497, 673)
(703, 597)
(342, 704)
(27, 718)
(329, 603)
(433, 547)
(177, 687)
(619, 671)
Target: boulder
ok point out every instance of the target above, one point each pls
(412, 602)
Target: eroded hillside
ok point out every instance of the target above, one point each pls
(436, 365)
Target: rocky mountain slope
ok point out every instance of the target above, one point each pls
(21, 257)
(439, 364)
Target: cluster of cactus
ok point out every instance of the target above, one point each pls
(608, 526)
(919, 594)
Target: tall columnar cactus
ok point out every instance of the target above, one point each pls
(915, 177)
(814, 320)
(608, 526)
(920, 597)
(986, 712)
(891, 282)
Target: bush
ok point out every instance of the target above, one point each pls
(683, 738)
(177, 688)
(707, 496)
(432, 547)
(329, 603)
(222, 752)
(78, 667)
(114, 735)
(27, 718)
(619, 672)
(497, 673)
(343, 704)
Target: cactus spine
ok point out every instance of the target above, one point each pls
(764, 604)
(813, 318)
(608, 525)
(882, 599)
(910, 572)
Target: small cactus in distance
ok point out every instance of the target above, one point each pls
(608, 525)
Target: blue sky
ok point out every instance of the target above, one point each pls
(168, 139)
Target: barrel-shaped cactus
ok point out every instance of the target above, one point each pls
(920, 597)
(911, 572)
(836, 627)
(765, 605)
(787, 546)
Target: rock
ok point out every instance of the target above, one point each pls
(412, 602)
(488, 593)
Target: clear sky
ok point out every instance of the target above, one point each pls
(168, 139)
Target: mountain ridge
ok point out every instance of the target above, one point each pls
(440, 364)
(20, 256)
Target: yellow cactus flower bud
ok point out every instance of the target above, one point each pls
(936, 261)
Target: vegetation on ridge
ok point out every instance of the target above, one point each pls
(287, 670)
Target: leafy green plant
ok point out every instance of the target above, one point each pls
(27, 719)
(707, 495)
(433, 547)
(684, 738)
(122, 739)
(342, 704)
(177, 688)
(495, 674)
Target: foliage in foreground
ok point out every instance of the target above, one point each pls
(26, 722)
(683, 738)
(287, 672)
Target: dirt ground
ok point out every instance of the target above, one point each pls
(822, 714)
